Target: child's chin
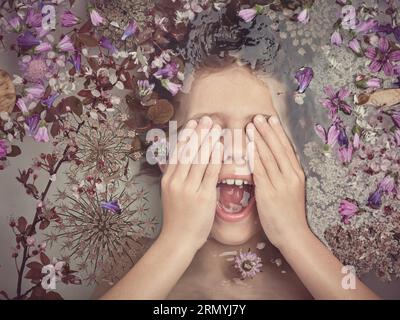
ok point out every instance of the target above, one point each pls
(235, 233)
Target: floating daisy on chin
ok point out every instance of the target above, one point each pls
(248, 264)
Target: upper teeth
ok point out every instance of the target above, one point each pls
(237, 182)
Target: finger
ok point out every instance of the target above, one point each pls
(203, 158)
(280, 132)
(191, 148)
(183, 137)
(213, 169)
(260, 175)
(274, 144)
(265, 155)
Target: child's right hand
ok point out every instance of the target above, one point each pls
(189, 193)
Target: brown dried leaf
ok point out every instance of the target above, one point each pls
(7, 92)
(161, 113)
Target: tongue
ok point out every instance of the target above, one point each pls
(233, 198)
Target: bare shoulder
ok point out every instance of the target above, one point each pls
(137, 249)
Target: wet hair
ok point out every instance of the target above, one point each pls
(218, 39)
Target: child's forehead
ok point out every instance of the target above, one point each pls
(225, 95)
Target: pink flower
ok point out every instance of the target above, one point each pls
(34, 18)
(43, 47)
(397, 137)
(336, 39)
(364, 83)
(35, 92)
(336, 101)
(22, 106)
(382, 58)
(345, 154)
(355, 46)
(329, 138)
(66, 44)
(248, 264)
(366, 26)
(15, 24)
(42, 134)
(96, 18)
(68, 19)
(387, 184)
(356, 141)
(304, 16)
(3, 148)
(130, 30)
(348, 209)
(249, 14)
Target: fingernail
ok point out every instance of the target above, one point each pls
(259, 118)
(206, 120)
(273, 120)
(250, 131)
(191, 124)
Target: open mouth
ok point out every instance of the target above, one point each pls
(235, 198)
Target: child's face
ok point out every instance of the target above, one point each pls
(231, 97)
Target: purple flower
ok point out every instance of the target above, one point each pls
(43, 47)
(42, 134)
(304, 77)
(173, 88)
(335, 101)
(21, 105)
(34, 18)
(356, 141)
(249, 14)
(3, 148)
(345, 154)
(364, 83)
(304, 16)
(366, 26)
(397, 137)
(15, 23)
(96, 18)
(387, 184)
(169, 71)
(348, 209)
(36, 91)
(48, 102)
(355, 46)
(68, 19)
(113, 206)
(32, 124)
(107, 44)
(382, 58)
(375, 199)
(343, 140)
(36, 69)
(76, 61)
(27, 41)
(396, 117)
(396, 32)
(329, 138)
(336, 39)
(248, 264)
(66, 44)
(130, 30)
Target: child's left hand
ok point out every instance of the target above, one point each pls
(279, 182)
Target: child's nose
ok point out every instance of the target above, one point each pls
(235, 145)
